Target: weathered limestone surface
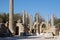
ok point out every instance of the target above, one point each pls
(35, 27)
(53, 27)
(23, 17)
(11, 22)
(6, 24)
(21, 27)
(30, 23)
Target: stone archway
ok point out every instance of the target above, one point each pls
(35, 27)
(43, 27)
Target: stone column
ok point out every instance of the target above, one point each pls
(52, 25)
(30, 22)
(37, 24)
(36, 18)
(26, 19)
(47, 23)
(54, 28)
(23, 17)
(26, 23)
(11, 11)
(52, 20)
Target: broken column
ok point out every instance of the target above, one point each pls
(54, 28)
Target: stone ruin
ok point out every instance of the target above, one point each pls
(27, 26)
(20, 27)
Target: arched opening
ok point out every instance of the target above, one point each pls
(35, 28)
(43, 28)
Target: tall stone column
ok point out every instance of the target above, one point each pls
(23, 16)
(11, 11)
(26, 19)
(47, 23)
(30, 22)
(36, 18)
(54, 28)
(52, 20)
(37, 24)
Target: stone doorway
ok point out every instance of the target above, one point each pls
(17, 30)
(43, 28)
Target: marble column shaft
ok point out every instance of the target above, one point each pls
(11, 11)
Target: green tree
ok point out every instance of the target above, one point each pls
(17, 16)
(1, 20)
(4, 17)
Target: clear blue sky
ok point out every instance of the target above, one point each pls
(44, 7)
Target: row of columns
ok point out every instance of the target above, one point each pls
(11, 21)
